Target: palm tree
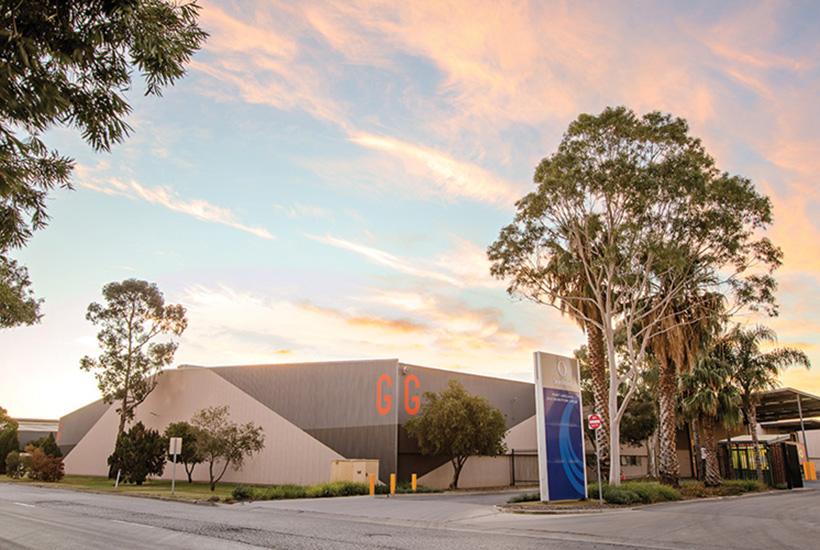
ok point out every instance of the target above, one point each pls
(709, 396)
(564, 272)
(754, 371)
(680, 336)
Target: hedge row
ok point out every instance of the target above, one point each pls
(322, 490)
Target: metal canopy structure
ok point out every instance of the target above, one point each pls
(787, 404)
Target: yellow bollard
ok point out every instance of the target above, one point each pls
(413, 480)
(392, 484)
(372, 484)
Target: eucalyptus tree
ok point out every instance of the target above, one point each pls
(754, 371)
(133, 315)
(564, 273)
(646, 217)
(70, 64)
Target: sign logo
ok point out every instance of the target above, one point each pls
(562, 368)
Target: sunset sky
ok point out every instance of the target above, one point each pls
(325, 181)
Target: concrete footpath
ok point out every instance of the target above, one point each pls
(779, 519)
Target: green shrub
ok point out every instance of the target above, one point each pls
(526, 497)
(13, 464)
(406, 488)
(139, 453)
(620, 495)
(48, 445)
(729, 487)
(592, 490)
(746, 485)
(649, 492)
(240, 492)
(634, 492)
(8, 439)
(41, 466)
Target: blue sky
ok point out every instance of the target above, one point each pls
(324, 182)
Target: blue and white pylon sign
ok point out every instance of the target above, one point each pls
(561, 460)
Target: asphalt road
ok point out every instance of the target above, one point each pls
(37, 518)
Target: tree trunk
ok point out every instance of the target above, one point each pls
(669, 467)
(458, 464)
(600, 392)
(652, 455)
(730, 464)
(694, 427)
(614, 428)
(712, 477)
(751, 413)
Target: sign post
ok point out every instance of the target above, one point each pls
(174, 448)
(561, 469)
(594, 422)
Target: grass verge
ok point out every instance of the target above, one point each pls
(151, 487)
(648, 492)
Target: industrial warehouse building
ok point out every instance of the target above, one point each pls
(315, 413)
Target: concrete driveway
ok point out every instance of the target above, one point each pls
(779, 519)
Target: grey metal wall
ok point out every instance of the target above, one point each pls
(516, 400)
(336, 402)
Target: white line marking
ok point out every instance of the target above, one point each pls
(24, 504)
(132, 523)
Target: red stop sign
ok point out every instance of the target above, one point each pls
(594, 421)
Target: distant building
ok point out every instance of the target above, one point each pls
(30, 429)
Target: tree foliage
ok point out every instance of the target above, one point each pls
(41, 466)
(70, 64)
(638, 210)
(134, 314)
(8, 437)
(189, 456)
(457, 425)
(708, 395)
(139, 453)
(12, 464)
(752, 371)
(220, 440)
(18, 306)
(48, 445)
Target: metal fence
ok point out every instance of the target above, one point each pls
(523, 466)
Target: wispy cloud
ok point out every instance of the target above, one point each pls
(249, 327)
(454, 179)
(387, 259)
(465, 265)
(170, 199)
(299, 210)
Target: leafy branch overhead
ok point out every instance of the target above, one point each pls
(71, 64)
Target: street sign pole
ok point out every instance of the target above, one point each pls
(600, 485)
(174, 448)
(594, 422)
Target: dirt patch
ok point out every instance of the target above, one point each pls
(578, 507)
